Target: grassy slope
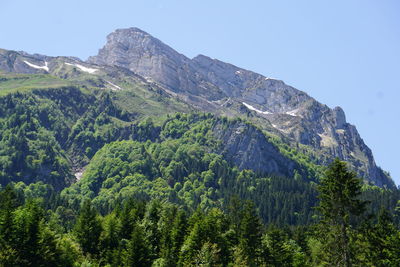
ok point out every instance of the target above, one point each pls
(10, 83)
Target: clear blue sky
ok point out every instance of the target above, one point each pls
(343, 53)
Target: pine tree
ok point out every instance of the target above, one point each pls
(275, 249)
(88, 228)
(380, 239)
(150, 225)
(208, 256)
(250, 233)
(8, 203)
(138, 252)
(339, 193)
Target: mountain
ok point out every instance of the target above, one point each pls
(212, 85)
(147, 78)
(140, 156)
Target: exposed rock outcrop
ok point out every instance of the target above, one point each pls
(205, 82)
(248, 148)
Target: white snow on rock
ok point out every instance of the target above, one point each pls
(256, 110)
(115, 87)
(238, 72)
(293, 113)
(83, 68)
(45, 67)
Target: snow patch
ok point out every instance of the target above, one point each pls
(83, 68)
(45, 67)
(237, 72)
(293, 112)
(115, 87)
(256, 110)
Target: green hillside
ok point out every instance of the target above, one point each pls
(11, 83)
(163, 185)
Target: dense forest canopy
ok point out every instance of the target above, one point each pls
(38, 227)
(167, 191)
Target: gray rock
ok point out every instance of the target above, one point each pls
(203, 81)
(248, 148)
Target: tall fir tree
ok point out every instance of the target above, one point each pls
(88, 228)
(339, 192)
(250, 234)
(138, 251)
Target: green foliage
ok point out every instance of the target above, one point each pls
(157, 233)
(137, 253)
(25, 238)
(339, 193)
(154, 192)
(250, 234)
(45, 133)
(88, 229)
(186, 173)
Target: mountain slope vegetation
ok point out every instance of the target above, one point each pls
(141, 156)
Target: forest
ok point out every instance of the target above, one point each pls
(40, 231)
(160, 191)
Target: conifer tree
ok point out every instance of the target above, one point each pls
(88, 228)
(339, 193)
(138, 252)
(250, 233)
(8, 203)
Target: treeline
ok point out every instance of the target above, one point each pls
(160, 233)
(142, 234)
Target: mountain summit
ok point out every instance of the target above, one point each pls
(212, 85)
(152, 79)
(147, 56)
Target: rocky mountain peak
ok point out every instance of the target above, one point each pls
(147, 56)
(131, 48)
(134, 39)
(208, 84)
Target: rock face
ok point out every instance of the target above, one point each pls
(20, 62)
(206, 83)
(145, 55)
(248, 148)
